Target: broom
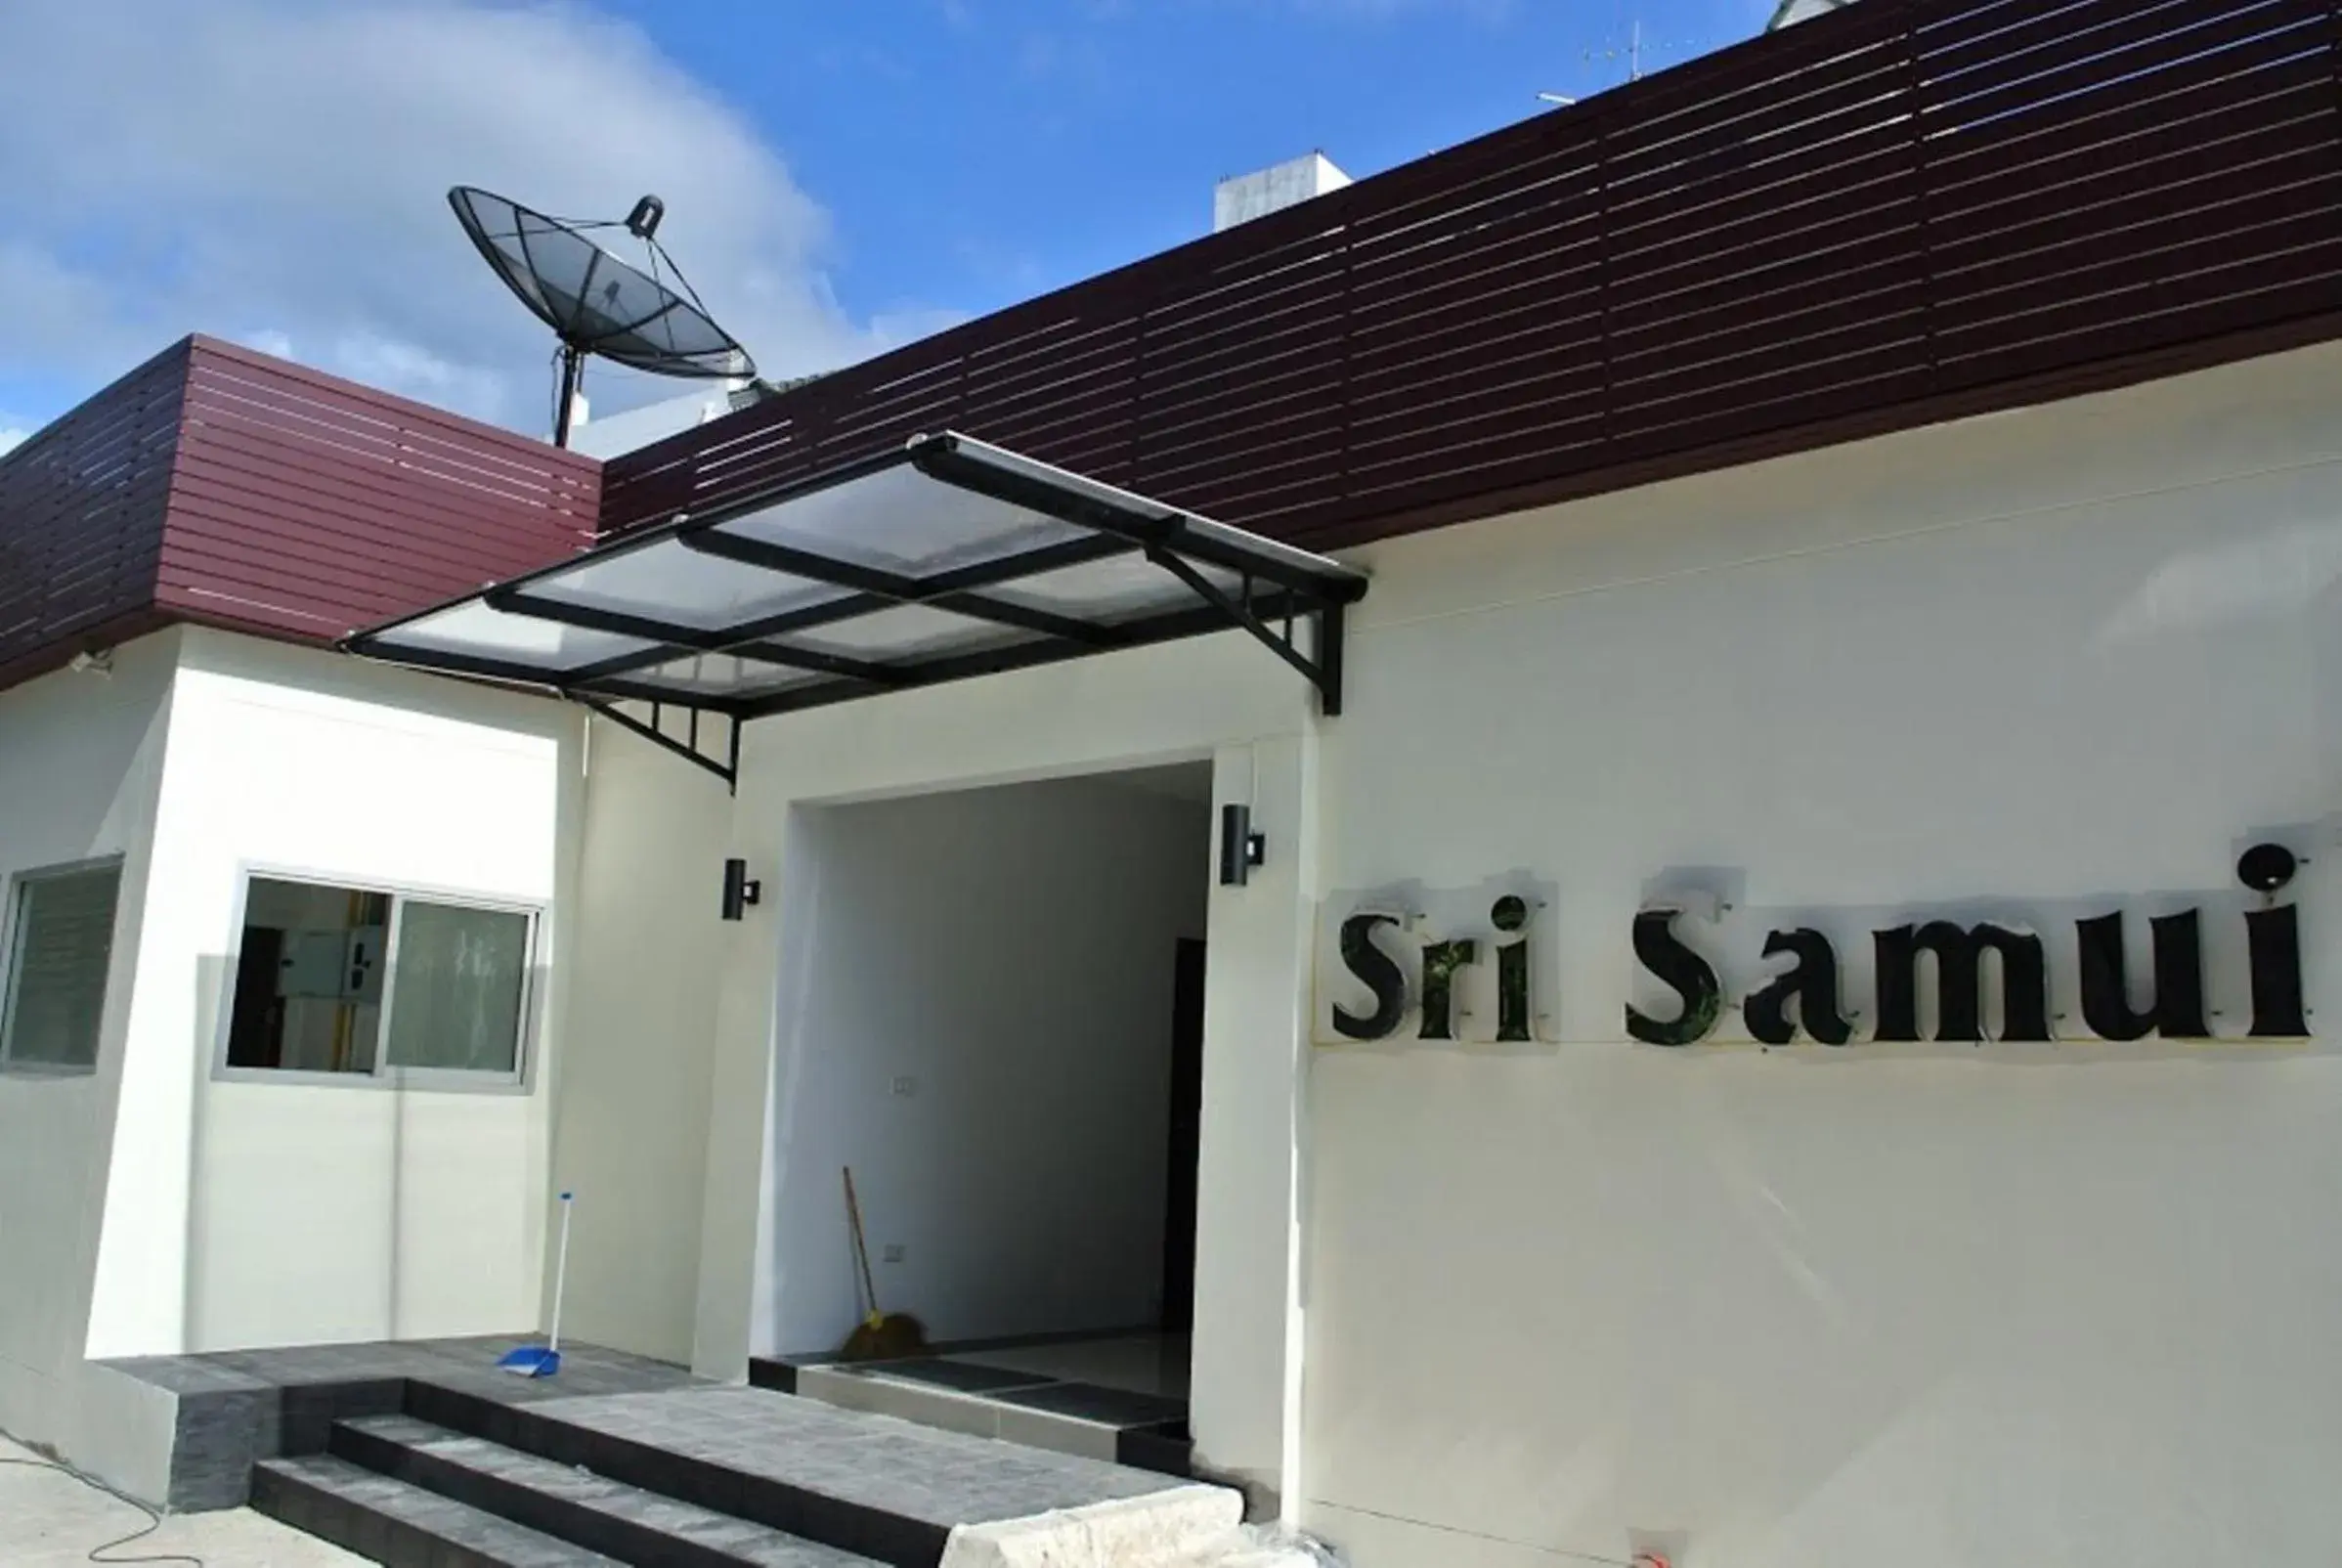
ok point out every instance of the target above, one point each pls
(880, 1335)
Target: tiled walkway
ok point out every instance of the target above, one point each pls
(1140, 1364)
(941, 1478)
(238, 1406)
(50, 1520)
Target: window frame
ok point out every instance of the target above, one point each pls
(520, 1080)
(12, 905)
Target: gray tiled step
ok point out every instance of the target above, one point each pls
(886, 1489)
(607, 1515)
(400, 1525)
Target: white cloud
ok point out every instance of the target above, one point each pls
(275, 171)
(12, 436)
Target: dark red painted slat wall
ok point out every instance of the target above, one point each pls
(219, 485)
(1903, 211)
(82, 504)
(305, 505)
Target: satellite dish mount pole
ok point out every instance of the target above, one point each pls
(572, 371)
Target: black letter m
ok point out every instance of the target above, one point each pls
(1959, 982)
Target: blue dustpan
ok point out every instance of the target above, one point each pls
(531, 1361)
(544, 1361)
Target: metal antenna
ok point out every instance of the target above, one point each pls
(1636, 48)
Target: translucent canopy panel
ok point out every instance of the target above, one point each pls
(899, 520)
(1111, 589)
(594, 300)
(947, 559)
(471, 628)
(666, 580)
(907, 630)
(720, 674)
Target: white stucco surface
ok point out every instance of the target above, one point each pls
(80, 761)
(155, 1207)
(278, 1212)
(1944, 1305)
(633, 1105)
(1934, 1304)
(1220, 698)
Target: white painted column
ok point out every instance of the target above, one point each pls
(1246, 1397)
(739, 1176)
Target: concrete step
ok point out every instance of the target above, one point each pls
(1146, 1432)
(627, 1522)
(400, 1524)
(884, 1489)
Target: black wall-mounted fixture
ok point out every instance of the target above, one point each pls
(1240, 848)
(739, 892)
(2267, 867)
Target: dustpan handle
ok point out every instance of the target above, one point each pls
(560, 1275)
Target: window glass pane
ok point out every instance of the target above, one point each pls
(57, 968)
(455, 999)
(308, 978)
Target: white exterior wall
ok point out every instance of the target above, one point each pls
(1920, 1304)
(1011, 953)
(1246, 197)
(1222, 698)
(80, 761)
(246, 1212)
(1930, 1304)
(631, 1114)
(153, 1207)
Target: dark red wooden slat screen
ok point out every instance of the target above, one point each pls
(312, 507)
(1906, 210)
(81, 514)
(219, 485)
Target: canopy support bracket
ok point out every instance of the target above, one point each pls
(727, 770)
(1324, 672)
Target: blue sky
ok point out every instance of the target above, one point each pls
(976, 152)
(839, 177)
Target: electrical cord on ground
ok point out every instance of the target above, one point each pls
(152, 1524)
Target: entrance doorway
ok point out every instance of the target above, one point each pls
(992, 1013)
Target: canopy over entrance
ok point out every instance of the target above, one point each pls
(947, 559)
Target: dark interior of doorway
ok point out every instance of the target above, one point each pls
(1034, 1102)
(1184, 1146)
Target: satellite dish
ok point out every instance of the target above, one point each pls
(594, 302)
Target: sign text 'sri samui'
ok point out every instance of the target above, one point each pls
(1483, 966)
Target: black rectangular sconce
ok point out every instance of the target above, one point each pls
(1240, 848)
(738, 891)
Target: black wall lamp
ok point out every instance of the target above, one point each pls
(1240, 848)
(739, 892)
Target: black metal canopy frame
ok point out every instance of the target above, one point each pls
(947, 559)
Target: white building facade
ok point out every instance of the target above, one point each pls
(1477, 1301)
(1784, 1020)
(1470, 1299)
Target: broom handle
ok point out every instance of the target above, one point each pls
(560, 1273)
(853, 1212)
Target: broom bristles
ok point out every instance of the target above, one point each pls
(893, 1337)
